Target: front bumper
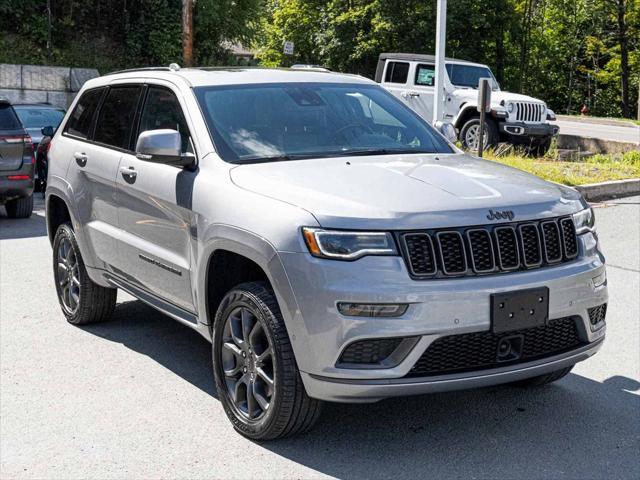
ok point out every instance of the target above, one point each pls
(437, 308)
(521, 129)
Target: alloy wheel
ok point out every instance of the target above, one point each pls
(68, 276)
(472, 137)
(248, 364)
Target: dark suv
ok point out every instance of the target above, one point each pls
(16, 164)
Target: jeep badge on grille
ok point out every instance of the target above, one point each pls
(503, 215)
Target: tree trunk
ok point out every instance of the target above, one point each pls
(624, 57)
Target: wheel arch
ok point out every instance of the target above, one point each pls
(57, 212)
(468, 111)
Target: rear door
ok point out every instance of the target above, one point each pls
(12, 139)
(155, 207)
(98, 134)
(395, 79)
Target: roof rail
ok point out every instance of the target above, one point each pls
(143, 69)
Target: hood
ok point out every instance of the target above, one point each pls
(406, 191)
(497, 96)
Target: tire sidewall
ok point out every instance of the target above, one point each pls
(490, 132)
(243, 298)
(65, 231)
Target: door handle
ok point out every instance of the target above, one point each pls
(81, 158)
(129, 174)
(410, 94)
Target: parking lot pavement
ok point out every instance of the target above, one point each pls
(134, 398)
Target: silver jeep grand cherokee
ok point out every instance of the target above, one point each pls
(329, 243)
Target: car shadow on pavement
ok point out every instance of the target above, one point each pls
(15, 228)
(173, 345)
(575, 428)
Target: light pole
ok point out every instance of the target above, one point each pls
(441, 36)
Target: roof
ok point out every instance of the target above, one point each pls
(419, 57)
(197, 77)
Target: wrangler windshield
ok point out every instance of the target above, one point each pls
(274, 122)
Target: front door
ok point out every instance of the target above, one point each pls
(424, 79)
(154, 211)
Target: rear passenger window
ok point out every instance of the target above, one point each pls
(162, 110)
(79, 124)
(116, 116)
(397, 72)
(8, 118)
(426, 75)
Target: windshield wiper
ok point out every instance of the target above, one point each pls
(376, 151)
(277, 158)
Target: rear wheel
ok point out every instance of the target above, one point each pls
(82, 300)
(545, 379)
(254, 367)
(470, 134)
(20, 207)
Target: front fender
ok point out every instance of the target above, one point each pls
(264, 254)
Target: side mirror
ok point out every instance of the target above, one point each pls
(162, 146)
(47, 131)
(447, 130)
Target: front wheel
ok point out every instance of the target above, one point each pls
(539, 148)
(470, 134)
(255, 371)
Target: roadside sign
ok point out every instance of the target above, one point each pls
(484, 94)
(288, 48)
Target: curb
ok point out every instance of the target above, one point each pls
(607, 190)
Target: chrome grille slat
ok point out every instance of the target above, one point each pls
(488, 249)
(529, 112)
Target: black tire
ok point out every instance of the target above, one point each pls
(491, 133)
(545, 379)
(92, 302)
(20, 207)
(539, 148)
(290, 410)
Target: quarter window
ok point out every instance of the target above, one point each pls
(162, 110)
(397, 72)
(116, 116)
(79, 124)
(425, 75)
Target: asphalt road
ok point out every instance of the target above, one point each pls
(618, 133)
(134, 398)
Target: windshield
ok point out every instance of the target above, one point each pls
(305, 120)
(469, 75)
(33, 117)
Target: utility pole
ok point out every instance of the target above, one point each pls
(49, 43)
(187, 32)
(441, 36)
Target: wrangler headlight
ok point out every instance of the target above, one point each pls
(341, 245)
(584, 220)
(510, 107)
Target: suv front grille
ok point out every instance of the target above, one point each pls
(489, 249)
(479, 350)
(529, 112)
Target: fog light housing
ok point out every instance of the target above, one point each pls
(600, 280)
(372, 309)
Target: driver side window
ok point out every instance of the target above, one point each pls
(162, 110)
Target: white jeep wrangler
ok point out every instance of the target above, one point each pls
(514, 118)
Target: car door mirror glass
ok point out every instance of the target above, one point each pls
(162, 146)
(47, 131)
(447, 130)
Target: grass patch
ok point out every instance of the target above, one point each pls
(599, 168)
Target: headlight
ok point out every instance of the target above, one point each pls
(510, 107)
(340, 245)
(584, 221)
(550, 115)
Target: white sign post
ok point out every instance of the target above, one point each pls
(441, 38)
(288, 48)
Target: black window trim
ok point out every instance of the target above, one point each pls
(389, 64)
(415, 78)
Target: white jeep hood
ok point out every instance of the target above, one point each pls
(406, 191)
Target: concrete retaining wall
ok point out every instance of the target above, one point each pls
(594, 145)
(37, 84)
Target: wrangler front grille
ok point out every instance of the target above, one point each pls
(479, 350)
(489, 249)
(529, 112)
